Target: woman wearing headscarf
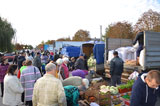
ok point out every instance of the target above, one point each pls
(59, 63)
(64, 69)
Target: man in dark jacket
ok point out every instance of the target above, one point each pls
(21, 59)
(37, 62)
(15, 60)
(79, 64)
(116, 69)
(146, 89)
(140, 39)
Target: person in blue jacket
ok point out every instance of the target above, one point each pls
(146, 89)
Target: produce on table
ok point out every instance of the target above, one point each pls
(92, 99)
(104, 89)
(91, 61)
(126, 97)
(128, 85)
(116, 102)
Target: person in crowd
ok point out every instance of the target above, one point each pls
(90, 75)
(28, 78)
(44, 61)
(19, 74)
(74, 89)
(85, 62)
(15, 60)
(32, 53)
(57, 76)
(60, 50)
(3, 69)
(48, 90)
(12, 87)
(21, 59)
(116, 69)
(71, 64)
(37, 62)
(46, 57)
(43, 58)
(56, 56)
(51, 56)
(146, 89)
(64, 69)
(29, 57)
(59, 63)
(21, 69)
(72, 95)
(27, 53)
(79, 64)
(140, 39)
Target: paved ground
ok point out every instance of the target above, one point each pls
(1, 102)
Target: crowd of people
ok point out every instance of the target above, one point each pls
(43, 79)
(47, 79)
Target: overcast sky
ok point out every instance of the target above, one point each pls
(37, 20)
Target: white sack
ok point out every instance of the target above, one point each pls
(141, 58)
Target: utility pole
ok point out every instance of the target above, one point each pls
(101, 32)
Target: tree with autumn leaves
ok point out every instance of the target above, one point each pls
(149, 21)
(120, 30)
(81, 35)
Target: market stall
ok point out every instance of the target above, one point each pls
(104, 95)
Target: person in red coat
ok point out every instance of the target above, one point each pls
(64, 69)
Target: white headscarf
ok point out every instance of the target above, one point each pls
(59, 61)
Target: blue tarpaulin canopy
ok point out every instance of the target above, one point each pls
(71, 51)
(98, 52)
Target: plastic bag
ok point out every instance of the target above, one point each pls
(94, 104)
(136, 46)
(133, 76)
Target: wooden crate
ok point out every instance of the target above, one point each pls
(105, 99)
(97, 85)
(100, 99)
